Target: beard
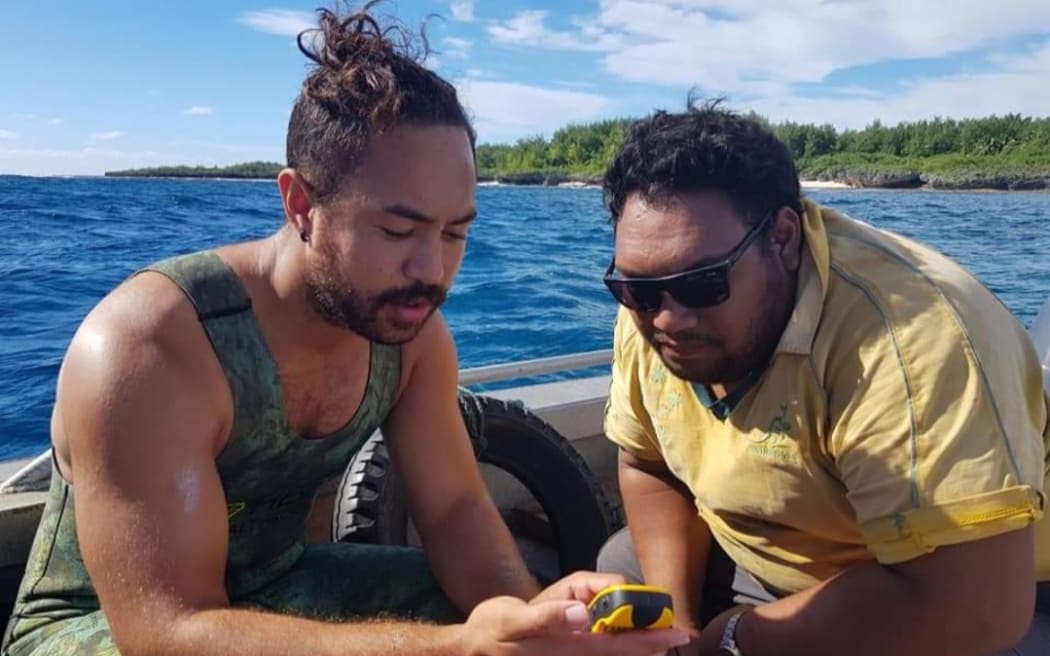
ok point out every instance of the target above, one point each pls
(342, 306)
(700, 357)
(705, 359)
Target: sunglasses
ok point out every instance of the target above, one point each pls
(702, 287)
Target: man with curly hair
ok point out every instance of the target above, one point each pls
(202, 404)
(832, 438)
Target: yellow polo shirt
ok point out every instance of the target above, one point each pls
(904, 410)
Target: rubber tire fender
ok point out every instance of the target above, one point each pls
(370, 506)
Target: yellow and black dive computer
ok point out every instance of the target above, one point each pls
(631, 608)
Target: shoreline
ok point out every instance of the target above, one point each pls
(844, 180)
(567, 181)
(576, 184)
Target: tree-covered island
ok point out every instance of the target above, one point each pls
(997, 152)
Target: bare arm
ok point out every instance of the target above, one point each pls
(969, 599)
(141, 430)
(468, 545)
(672, 542)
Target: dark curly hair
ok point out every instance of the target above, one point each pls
(366, 78)
(705, 147)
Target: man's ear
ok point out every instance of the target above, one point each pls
(786, 237)
(295, 196)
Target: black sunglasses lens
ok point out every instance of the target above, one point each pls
(697, 289)
(700, 289)
(707, 294)
(635, 296)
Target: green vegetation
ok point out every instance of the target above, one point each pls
(998, 152)
(578, 149)
(265, 170)
(1008, 152)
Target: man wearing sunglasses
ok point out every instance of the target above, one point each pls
(832, 438)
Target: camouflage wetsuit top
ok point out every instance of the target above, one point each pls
(270, 476)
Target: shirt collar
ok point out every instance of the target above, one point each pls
(721, 408)
(813, 274)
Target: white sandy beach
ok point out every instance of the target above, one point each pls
(823, 184)
(806, 184)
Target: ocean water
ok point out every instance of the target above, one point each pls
(530, 285)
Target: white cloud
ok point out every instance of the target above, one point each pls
(99, 158)
(755, 47)
(456, 48)
(462, 10)
(776, 58)
(273, 153)
(528, 28)
(22, 117)
(199, 110)
(505, 111)
(105, 136)
(7, 134)
(284, 22)
(574, 84)
(80, 161)
(1019, 85)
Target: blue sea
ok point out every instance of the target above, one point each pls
(530, 285)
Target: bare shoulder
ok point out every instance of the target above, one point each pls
(139, 354)
(432, 350)
(147, 309)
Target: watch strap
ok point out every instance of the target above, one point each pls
(728, 644)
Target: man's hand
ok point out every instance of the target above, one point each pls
(694, 646)
(578, 586)
(551, 627)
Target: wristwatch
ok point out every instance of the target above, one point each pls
(728, 646)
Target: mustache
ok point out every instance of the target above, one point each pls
(664, 339)
(433, 294)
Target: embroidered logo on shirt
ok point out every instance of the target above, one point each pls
(233, 509)
(776, 443)
(669, 404)
(658, 374)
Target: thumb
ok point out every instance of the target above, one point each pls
(550, 617)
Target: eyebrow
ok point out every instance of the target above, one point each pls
(411, 214)
(698, 264)
(701, 263)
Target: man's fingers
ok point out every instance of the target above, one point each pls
(644, 643)
(628, 643)
(542, 619)
(588, 584)
(561, 627)
(579, 586)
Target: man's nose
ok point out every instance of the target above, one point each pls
(425, 265)
(673, 317)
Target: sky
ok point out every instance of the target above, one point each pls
(88, 87)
